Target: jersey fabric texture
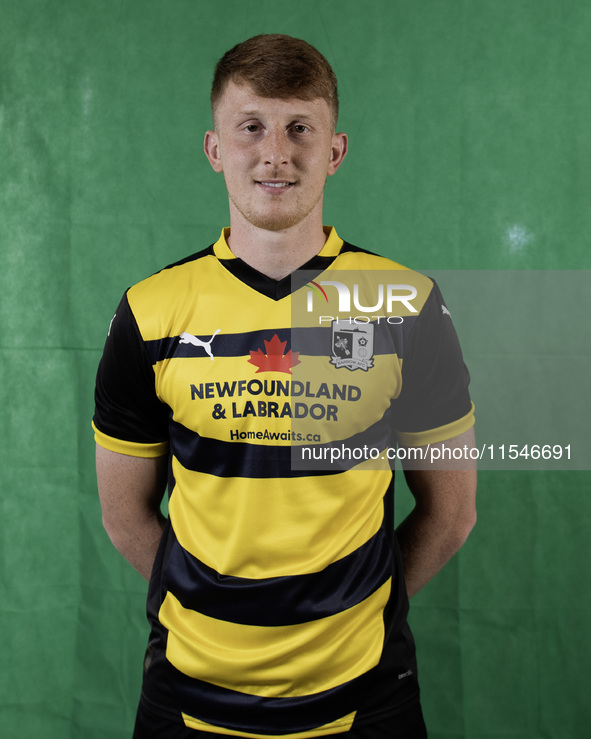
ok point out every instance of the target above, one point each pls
(277, 601)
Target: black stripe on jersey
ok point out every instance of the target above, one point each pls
(260, 715)
(231, 458)
(243, 459)
(280, 601)
(223, 345)
(313, 342)
(389, 338)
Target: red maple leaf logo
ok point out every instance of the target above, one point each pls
(274, 360)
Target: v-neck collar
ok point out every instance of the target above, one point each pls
(276, 289)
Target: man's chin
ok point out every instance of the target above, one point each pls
(280, 218)
(273, 223)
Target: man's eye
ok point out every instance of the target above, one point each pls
(299, 128)
(252, 127)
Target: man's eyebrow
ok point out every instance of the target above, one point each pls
(257, 114)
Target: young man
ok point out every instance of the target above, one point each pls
(277, 597)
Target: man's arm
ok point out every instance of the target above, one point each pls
(443, 516)
(131, 490)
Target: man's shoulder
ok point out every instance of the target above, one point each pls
(173, 282)
(370, 259)
(356, 258)
(174, 271)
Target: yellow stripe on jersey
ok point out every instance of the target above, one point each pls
(334, 727)
(297, 531)
(194, 280)
(277, 661)
(130, 448)
(198, 381)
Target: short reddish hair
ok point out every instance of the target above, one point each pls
(277, 66)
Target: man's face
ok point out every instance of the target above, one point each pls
(275, 155)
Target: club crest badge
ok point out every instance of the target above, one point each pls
(352, 346)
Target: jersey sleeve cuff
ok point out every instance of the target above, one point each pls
(131, 448)
(441, 433)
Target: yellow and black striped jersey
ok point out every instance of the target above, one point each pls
(277, 600)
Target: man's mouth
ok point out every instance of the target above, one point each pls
(275, 185)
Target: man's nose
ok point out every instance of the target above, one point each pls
(276, 149)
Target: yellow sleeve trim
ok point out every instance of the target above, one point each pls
(131, 448)
(441, 433)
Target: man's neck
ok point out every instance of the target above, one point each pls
(276, 253)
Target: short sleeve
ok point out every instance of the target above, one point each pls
(129, 417)
(434, 404)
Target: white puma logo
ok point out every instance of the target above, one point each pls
(186, 338)
(445, 311)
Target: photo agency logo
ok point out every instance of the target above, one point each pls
(387, 296)
(372, 302)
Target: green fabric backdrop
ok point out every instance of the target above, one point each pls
(470, 149)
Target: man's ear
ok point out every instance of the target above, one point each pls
(340, 143)
(211, 147)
